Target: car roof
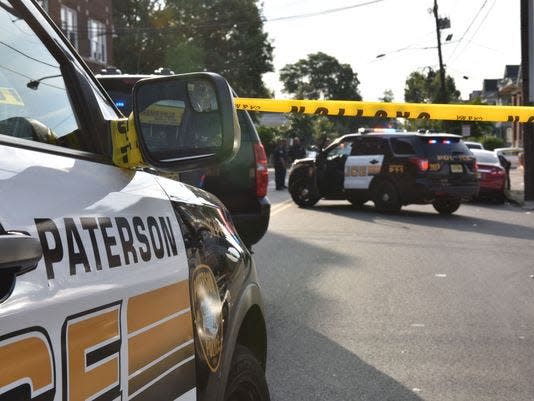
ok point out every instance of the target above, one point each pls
(127, 76)
(397, 135)
(498, 149)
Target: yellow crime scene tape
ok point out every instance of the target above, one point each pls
(347, 108)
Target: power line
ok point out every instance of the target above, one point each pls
(476, 31)
(468, 28)
(323, 12)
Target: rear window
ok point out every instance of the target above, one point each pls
(442, 145)
(488, 158)
(120, 91)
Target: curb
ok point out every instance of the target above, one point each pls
(518, 198)
(514, 196)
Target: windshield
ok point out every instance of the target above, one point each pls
(443, 145)
(488, 158)
(34, 103)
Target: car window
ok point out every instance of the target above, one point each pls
(402, 146)
(369, 146)
(486, 158)
(342, 149)
(442, 145)
(34, 103)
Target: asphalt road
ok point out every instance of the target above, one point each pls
(410, 306)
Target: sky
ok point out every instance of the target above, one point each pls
(486, 37)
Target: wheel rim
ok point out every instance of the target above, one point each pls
(303, 192)
(385, 197)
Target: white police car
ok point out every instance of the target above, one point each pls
(116, 284)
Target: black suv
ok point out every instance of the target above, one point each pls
(391, 169)
(241, 183)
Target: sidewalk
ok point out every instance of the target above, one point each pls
(516, 193)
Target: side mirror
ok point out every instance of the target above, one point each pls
(185, 122)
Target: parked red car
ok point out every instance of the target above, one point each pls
(492, 175)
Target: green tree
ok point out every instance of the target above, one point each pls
(223, 36)
(424, 87)
(492, 142)
(320, 76)
(139, 45)
(388, 96)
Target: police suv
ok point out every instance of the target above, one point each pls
(116, 283)
(391, 169)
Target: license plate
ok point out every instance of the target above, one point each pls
(457, 168)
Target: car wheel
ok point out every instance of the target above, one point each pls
(246, 381)
(386, 197)
(446, 206)
(302, 192)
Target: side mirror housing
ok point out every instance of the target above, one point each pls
(185, 122)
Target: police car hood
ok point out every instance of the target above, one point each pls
(304, 161)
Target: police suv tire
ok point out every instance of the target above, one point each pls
(446, 206)
(386, 197)
(246, 381)
(302, 193)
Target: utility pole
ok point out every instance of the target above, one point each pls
(443, 98)
(527, 71)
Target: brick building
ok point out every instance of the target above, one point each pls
(88, 25)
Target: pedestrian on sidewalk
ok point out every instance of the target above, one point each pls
(280, 161)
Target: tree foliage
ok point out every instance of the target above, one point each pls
(388, 96)
(223, 36)
(492, 142)
(320, 76)
(425, 88)
(138, 44)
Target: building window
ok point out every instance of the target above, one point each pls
(97, 40)
(43, 4)
(69, 25)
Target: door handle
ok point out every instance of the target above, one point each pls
(374, 161)
(19, 252)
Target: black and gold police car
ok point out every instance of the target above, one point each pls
(117, 283)
(389, 168)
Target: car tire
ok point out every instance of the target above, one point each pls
(386, 197)
(446, 206)
(302, 192)
(246, 381)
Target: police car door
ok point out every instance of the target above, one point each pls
(364, 163)
(105, 314)
(335, 165)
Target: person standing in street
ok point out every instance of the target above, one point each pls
(296, 151)
(280, 164)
